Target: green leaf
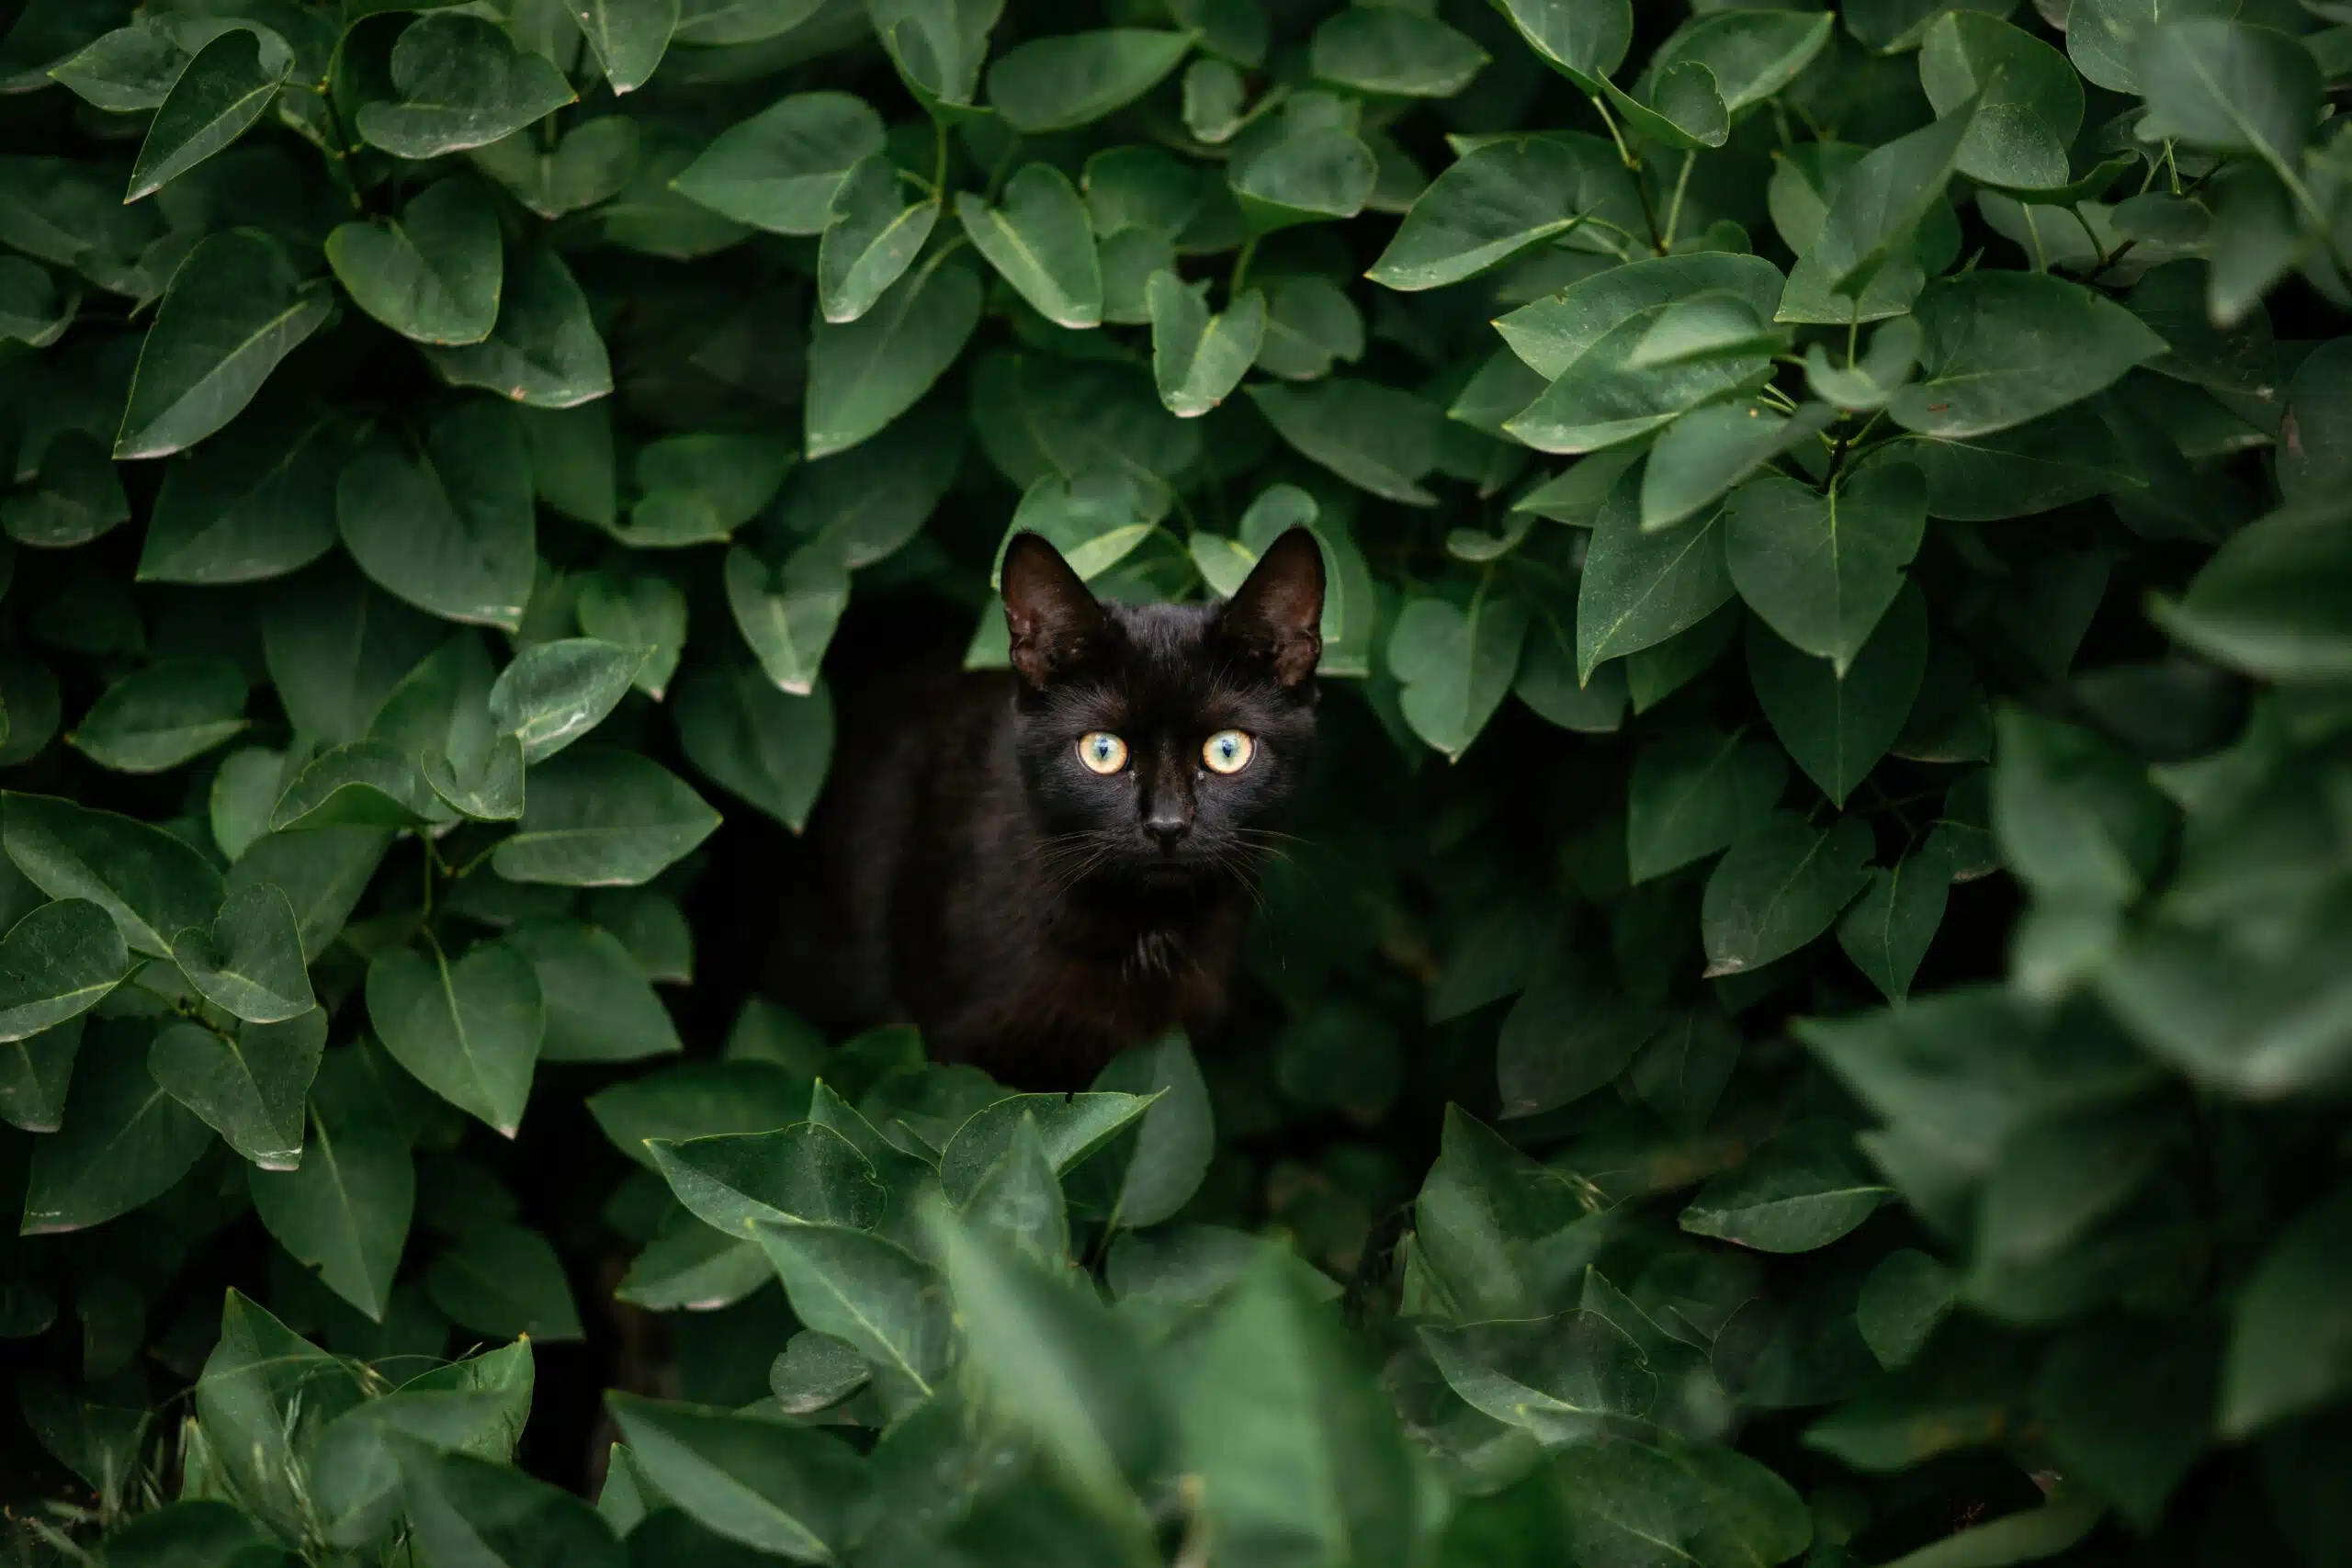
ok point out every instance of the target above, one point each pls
(937, 45)
(469, 1510)
(2003, 347)
(1901, 1303)
(1752, 53)
(545, 351)
(871, 238)
(448, 529)
(693, 1100)
(2104, 37)
(366, 783)
(125, 1141)
(1380, 48)
(1801, 1191)
(700, 488)
(1778, 889)
(1675, 1504)
(1890, 928)
(1198, 358)
(322, 872)
(1019, 1202)
(688, 1265)
(1498, 1229)
(1298, 1452)
(1640, 589)
(555, 693)
(787, 615)
(600, 818)
(192, 1533)
(1709, 451)
(642, 612)
(80, 497)
(1059, 83)
(252, 502)
(225, 88)
(868, 504)
(2028, 101)
(799, 1175)
(125, 71)
(264, 1395)
(1456, 666)
(815, 1371)
(1310, 324)
(1871, 223)
(34, 1073)
(2230, 86)
(592, 164)
(152, 883)
(1039, 240)
(162, 715)
(1562, 1377)
(1835, 726)
(248, 960)
(1054, 1359)
(1177, 1137)
(1073, 1127)
(433, 274)
(874, 1294)
(1584, 43)
(778, 170)
(32, 309)
(1374, 436)
(1572, 1031)
(776, 1488)
(1694, 793)
(461, 82)
(468, 1030)
(765, 748)
(2075, 816)
(336, 647)
(235, 308)
(864, 373)
(2272, 601)
(599, 1005)
(344, 1210)
(629, 37)
(504, 1282)
(56, 962)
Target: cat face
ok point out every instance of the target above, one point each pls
(1158, 741)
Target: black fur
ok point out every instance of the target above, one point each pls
(1031, 916)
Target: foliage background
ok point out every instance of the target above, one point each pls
(1823, 511)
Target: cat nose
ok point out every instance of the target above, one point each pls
(1166, 827)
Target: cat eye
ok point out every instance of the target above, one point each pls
(1102, 751)
(1227, 751)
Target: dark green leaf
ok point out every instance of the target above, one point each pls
(461, 83)
(434, 274)
(1901, 1303)
(600, 818)
(756, 743)
(55, 963)
(254, 502)
(152, 883)
(2000, 348)
(545, 351)
(778, 170)
(2271, 600)
(225, 88)
(1778, 889)
(1561, 1378)
(1054, 84)
(639, 611)
(1198, 358)
(799, 1175)
(776, 1487)
(2228, 86)
(1801, 1191)
(234, 309)
(504, 1282)
(124, 1142)
(1455, 665)
(1838, 726)
(467, 1031)
(344, 1210)
(1178, 1136)
(1822, 569)
(1376, 48)
(629, 37)
(555, 692)
(1640, 589)
(873, 1294)
(469, 1510)
(864, 373)
(599, 1005)
(1038, 242)
(447, 528)
(248, 960)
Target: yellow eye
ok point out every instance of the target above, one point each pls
(1227, 751)
(1102, 751)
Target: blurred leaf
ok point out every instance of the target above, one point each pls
(799, 1175)
(873, 1294)
(1801, 1191)
(1177, 1137)
(1901, 1303)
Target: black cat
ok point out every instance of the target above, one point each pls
(1042, 868)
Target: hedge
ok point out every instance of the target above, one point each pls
(1808, 1017)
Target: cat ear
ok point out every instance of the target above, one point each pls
(1052, 616)
(1278, 612)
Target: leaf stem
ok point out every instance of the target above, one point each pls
(1241, 269)
(939, 160)
(1610, 120)
(1674, 208)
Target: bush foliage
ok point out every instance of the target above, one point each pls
(1809, 1017)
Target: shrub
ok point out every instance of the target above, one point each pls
(1809, 1017)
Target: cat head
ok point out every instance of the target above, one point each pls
(1157, 740)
